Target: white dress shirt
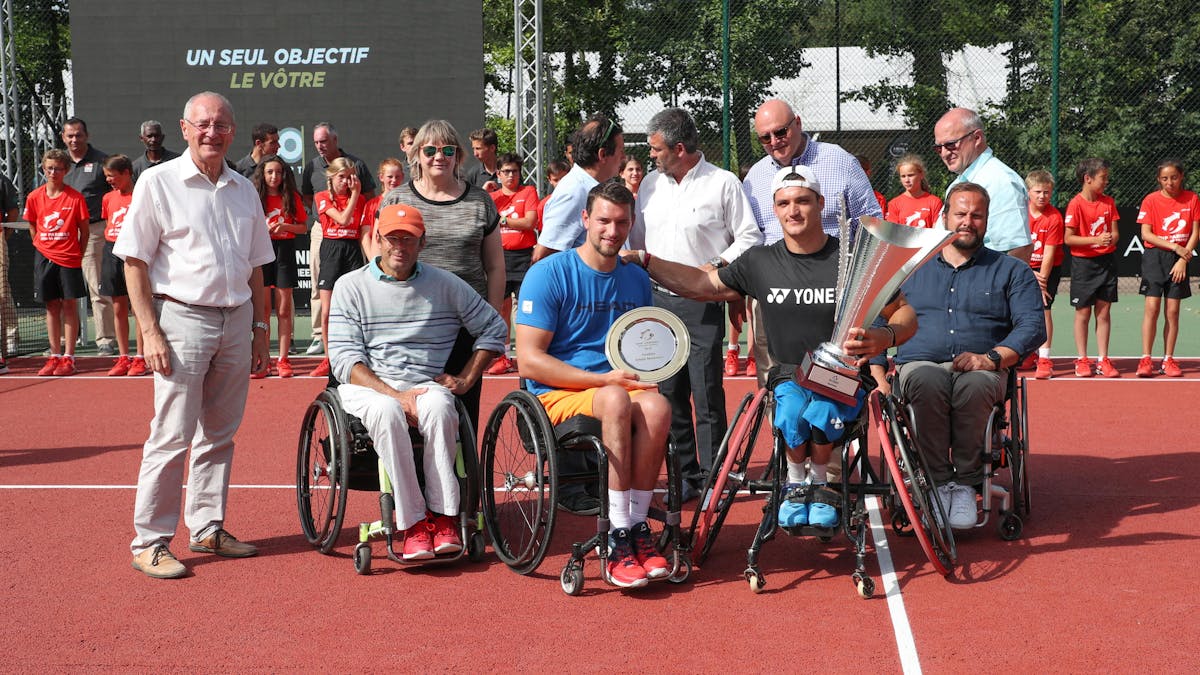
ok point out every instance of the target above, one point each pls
(694, 220)
(199, 240)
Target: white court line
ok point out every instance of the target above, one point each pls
(130, 487)
(905, 643)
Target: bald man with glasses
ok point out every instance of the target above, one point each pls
(959, 140)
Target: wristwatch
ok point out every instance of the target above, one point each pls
(261, 324)
(503, 221)
(717, 263)
(994, 357)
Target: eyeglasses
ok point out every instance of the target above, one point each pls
(508, 172)
(779, 134)
(951, 146)
(215, 127)
(431, 150)
(612, 124)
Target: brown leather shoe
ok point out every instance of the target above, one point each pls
(158, 562)
(224, 544)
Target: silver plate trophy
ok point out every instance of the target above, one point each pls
(885, 256)
(649, 341)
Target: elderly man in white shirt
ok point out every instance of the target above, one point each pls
(193, 242)
(693, 213)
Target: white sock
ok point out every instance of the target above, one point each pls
(1044, 352)
(639, 505)
(733, 347)
(618, 509)
(819, 473)
(796, 472)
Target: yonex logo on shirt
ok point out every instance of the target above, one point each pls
(803, 296)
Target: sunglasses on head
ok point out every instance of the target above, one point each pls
(431, 150)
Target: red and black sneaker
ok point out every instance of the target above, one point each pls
(623, 567)
(648, 557)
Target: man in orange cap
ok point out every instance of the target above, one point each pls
(389, 337)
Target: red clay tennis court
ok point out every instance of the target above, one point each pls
(1101, 580)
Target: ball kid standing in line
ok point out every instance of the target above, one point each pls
(286, 218)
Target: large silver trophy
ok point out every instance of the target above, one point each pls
(885, 256)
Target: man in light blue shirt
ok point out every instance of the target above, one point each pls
(958, 138)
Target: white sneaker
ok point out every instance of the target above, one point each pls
(963, 514)
(945, 494)
(315, 348)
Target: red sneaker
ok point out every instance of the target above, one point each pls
(137, 367)
(1145, 367)
(260, 375)
(1105, 368)
(445, 536)
(418, 541)
(1170, 368)
(284, 367)
(623, 567)
(500, 366)
(121, 367)
(751, 366)
(731, 362)
(1083, 367)
(647, 553)
(66, 367)
(1045, 369)
(1029, 363)
(50, 366)
(322, 369)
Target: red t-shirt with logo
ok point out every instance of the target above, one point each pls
(1091, 219)
(914, 211)
(517, 205)
(331, 230)
(371, 213)
(113, 208)
(1171, 218)
(1046, 230)
(56, 223)
(274, 212)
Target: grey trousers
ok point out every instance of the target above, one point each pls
(198, 406)
(950, 410)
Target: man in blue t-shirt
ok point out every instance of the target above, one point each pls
(566, 306)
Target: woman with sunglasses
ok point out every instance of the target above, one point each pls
(462, 231)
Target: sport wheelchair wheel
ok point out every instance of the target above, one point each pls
(728, 473)
(1022, 501)
(913, 489)
(519, 481)
(322, 463)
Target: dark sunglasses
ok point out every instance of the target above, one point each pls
(779, 134)
(431, 150)
(951, 146)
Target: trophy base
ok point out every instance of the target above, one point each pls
(839, 384)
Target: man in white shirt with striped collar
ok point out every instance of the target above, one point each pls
(692, 212)
(193, 242)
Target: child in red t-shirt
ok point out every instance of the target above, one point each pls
(915, 206)
(118, 171)
(1046, 231)
(286, 218)
(1090, 228)
(1169, 218)
(391, 176)
(517, 205)
(866, 167)
(340, 213)
(58, 218)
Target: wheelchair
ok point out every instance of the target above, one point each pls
(335, 454)
(520, 473)
(729, 475)
(1005, 454)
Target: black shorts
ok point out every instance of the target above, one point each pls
(1156, 276)
(52, 281)
(112, 274)
(281, 273)
(1093, 279)
(516, 264)
(338, 257)
(1052, 286)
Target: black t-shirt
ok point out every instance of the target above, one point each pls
(796, 294)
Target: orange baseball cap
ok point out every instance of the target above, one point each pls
(400, 218)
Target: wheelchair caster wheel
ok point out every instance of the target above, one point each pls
(758, 583)
(865, 585)
(1011, 527)
(571, 580)
(900, 524)
(682, 573)
(362, 558)
(475, 547)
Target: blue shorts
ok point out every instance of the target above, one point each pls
(801, 415)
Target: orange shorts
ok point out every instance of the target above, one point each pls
(561, 404)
